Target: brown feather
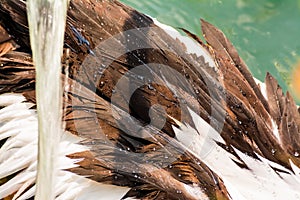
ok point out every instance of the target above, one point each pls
(150, 160)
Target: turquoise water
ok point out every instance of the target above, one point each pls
(266, 33)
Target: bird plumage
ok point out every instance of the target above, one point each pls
(152, 114)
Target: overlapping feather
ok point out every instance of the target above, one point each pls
(225, 128)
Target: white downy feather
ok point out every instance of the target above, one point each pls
(18, 123)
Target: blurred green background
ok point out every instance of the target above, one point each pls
(266, 33)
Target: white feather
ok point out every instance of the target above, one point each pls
(18, 124)
(259, 182)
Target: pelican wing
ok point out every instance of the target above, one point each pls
(153, 111)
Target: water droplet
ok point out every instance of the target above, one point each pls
(95, 77)
(140, 77)
(150, 87)
(273, 151)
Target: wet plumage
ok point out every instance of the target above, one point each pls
(110, 87)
